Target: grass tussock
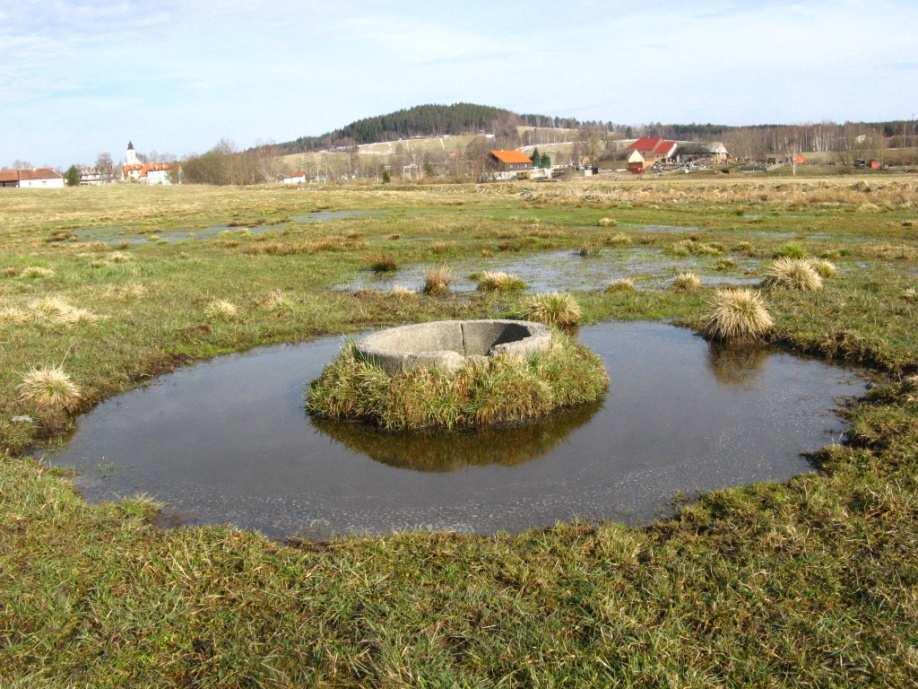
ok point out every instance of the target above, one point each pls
(618, 239)
(499, 390)
(790, 250)
(49, 389)
(120, 257)
(383, 264)
(553, 308)
(620, 285)
(276, 300)
(437, 281)
(589, 250)
(793, 273)
(607, 222)
(222, 310)
(498, 281)
(824, 268)
(686, 281)
(127, 292)
(693, 247)
(738, 315)
(35, 272)
(13, 315)
(59, 311)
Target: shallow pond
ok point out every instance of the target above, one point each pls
(119, 235)
(565, 270)
(229, 441)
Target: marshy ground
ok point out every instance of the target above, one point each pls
(807, 582)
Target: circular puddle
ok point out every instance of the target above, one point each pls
(229, 441)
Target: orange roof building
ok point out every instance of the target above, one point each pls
(511, 158)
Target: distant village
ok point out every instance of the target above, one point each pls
(476, 160)
(135, 168)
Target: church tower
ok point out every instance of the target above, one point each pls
(130, 157)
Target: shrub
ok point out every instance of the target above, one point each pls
(554, 308)
(793, 273)
(383, 264)
(498, 390)
(499, 281)
(438, 280)
(825, 268)
(49, 389)
(738, 315)
(686, 281)
(621, 285)
(222, 309)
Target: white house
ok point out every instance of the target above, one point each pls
(298, 177)
(37, 178)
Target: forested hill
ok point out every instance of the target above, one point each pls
(421, 120)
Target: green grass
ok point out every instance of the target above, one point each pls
(502, 390)
(807, 583)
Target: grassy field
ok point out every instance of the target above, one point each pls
(812, 583)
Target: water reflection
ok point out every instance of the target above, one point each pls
(443, 452)
(737, 365)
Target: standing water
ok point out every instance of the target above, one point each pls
(229, 441)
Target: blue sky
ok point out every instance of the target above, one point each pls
(77, 78)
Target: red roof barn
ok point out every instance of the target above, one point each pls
(654, 147)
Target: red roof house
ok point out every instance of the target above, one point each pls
(654, 147)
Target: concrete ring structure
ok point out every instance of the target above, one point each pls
(449, 345)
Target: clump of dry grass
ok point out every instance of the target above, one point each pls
(119, 257)
(276, 300)
(13, 315)
(32, 272)
(58, 310)
(621, 285)
(438, 280)
(9, 272)
(402, 291)
(618, 239)
(554, 308)
(693, 247)
(383, 264)
(222, 309)
(607, 222)
(686, 281)
(588, 250)
(441, 247)
(127, 292)
(793, 273)
(393, 237)
(738, 315)
(825, 268)
(49, 389)
(489, 281)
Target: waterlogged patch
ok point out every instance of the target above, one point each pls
(229, 441)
